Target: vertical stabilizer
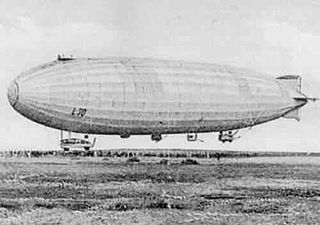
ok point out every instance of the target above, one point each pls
(291, 81)
(293, 84)
(294, 114)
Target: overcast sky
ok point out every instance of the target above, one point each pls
(271, 36)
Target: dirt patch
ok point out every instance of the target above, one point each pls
(260, 207)
(284, 192)
(156, 177)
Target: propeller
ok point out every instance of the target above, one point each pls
(200, 140)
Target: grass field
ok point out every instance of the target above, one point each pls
(93, 190)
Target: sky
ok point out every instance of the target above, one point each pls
(276, 37)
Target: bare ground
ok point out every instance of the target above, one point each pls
(80, 190)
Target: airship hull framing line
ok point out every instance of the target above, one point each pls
(139, 96)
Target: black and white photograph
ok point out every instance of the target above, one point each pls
(159, 112)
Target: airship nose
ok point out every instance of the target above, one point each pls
(13, 93)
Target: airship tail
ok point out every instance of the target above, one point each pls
(301, 101)
(293, 83)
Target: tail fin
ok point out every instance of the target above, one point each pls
(293, 114)
(292, 81)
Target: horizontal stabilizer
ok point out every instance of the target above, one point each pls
(293, 114)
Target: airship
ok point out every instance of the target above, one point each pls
(145, 96)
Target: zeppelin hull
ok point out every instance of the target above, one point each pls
(146, 96)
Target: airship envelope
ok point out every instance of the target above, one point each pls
(127, 96)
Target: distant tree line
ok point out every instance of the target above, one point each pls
(127, 153)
